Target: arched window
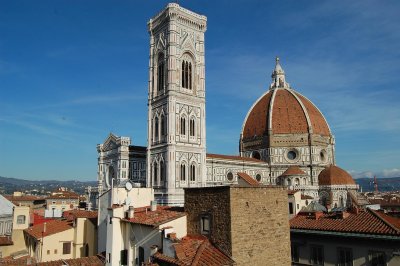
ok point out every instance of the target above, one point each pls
(190, 76)
(160, 71)
(186, 74)
(156, 128)
(162, 171)
(183, 126)
(192, 172)
(155, 173)
(183, 75)
(258, 177)
(183, 172)
(192, 128)
(163, 132)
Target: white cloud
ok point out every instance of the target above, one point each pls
(395, 172)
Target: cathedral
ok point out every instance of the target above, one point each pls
(285, 140)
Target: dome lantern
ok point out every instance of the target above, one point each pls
(278, 76)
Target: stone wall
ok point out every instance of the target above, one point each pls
(260, 226)
(212, 201)
(248, 223)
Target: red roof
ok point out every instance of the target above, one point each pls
(233, 157)
(39, 219)
(5, 241)
(52, 227)
(162, 215)
(287, 116)
(293, 170)
(73, 214)
(365, 222)
(23, 198)
(63, 195)
(195, 250)
(9, 261)
(248, 179)
(333, 175)
(87, 261)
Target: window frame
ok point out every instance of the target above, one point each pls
(346, 262)
(205, 229)
(66, 248)
(319, 255)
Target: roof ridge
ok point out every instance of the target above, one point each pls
(199, 253)
(384, 220)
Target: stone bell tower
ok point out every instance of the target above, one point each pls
(176, 155)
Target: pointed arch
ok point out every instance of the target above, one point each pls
(183, 172)
(192, 172)
(192, 127)
(160, 72)
(156, 129)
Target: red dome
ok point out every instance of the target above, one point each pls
(333, 175)
(284, 111)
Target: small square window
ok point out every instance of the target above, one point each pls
(55, 251)
(48, 252)
(67, 248)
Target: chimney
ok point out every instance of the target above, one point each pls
(317, 215)
(131, 212)
(44, 228)
(153, 205)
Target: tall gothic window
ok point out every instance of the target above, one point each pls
(183, 172)
(156, 128)
(160, 71)
(162, 171)
(155, 172)
(192, 172)
(192, 127)
(163, 125)
(186, 75)
(183, 126)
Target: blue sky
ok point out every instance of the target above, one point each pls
(73, 71)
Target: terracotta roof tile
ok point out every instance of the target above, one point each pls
(5, 241)
(162, 215)
(248, 179)
(52, 227)
(73, 214)
(23, 198)
(257, 121)
(196, 250)
(21, 261)
(293, 170)
(333, 175)
(86, 261)
(304, 197)
(233, 157)
(365, 222)
(317, 120)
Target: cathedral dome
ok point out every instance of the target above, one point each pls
(333, 175)
(282, 111)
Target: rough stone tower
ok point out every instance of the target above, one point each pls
(176, 155)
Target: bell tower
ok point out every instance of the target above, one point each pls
(176, 155)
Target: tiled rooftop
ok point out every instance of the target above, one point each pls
(293, 170)
(23, 198)
(162, 215)
(232, 157)
(364, 222)
(73, 214)
(333, 175)
(195, 250)
(52, 227)
(248, 179)
(85, 261)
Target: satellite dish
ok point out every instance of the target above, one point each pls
(128, 186)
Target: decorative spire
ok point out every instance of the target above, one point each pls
(278, 76)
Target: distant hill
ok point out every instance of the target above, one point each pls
(8, 185)
(384, 183)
